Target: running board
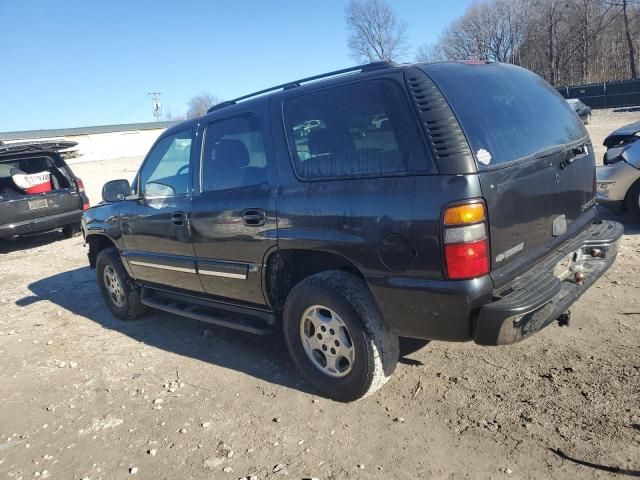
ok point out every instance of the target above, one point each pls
(258, 322)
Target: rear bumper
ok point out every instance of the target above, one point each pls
(40, 224)
(432, 309)
(537, 298)
(465, 310)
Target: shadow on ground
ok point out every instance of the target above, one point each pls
(14, 244)
(263, 357)
(605, 468)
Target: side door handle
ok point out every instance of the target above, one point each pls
(253, 217)
(179, 219)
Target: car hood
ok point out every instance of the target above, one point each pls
(620, 134)
(20, 147)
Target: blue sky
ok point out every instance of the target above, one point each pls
(77, 63)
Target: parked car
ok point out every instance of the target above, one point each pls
(583, 111)
(470, 216)
(619, 178)
(38, 190)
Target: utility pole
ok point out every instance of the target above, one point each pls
(156, 104)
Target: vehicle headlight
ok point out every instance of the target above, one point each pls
(604, 188)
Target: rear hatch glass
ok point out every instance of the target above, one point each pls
(536, 165)
(507, 113)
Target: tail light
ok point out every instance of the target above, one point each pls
(80, 186)
(466, 246)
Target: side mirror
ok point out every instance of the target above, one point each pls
(116, 190)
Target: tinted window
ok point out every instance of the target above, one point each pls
(166, 170)
(234, 154)
(508, 113)
(358, 129)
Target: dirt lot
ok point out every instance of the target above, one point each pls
(86, 396)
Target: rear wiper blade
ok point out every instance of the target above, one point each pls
(578, 153)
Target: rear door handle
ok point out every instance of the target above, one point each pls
(253, 217)
(179, 219)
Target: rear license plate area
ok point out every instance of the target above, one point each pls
(37, 204)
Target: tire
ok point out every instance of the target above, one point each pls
(633, 200)
(71, 230)
(411, 345)
(345, 300)
(125, 304)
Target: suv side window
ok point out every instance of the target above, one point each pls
(165, 173)
(360, 129)
(234, 154)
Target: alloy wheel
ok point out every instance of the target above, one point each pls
(113, 286)
(327, 341)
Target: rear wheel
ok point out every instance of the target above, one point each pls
(633, 200)
(336, 337)
(119, 291)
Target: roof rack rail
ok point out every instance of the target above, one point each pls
(286, 86)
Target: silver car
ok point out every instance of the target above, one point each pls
(619, 178)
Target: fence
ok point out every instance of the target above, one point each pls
(605, 95)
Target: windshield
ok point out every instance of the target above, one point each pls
(509, 113)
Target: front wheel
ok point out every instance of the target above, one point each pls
(119, 291)
(633, 200)
(336, 337)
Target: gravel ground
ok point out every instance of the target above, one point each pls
(86, 396)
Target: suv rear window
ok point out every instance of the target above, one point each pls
(360, 129)
(507, 113)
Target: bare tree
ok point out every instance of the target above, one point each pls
(487, 31)
(430, 52)
(199, 104)
(169, 116)
(625, 6)
(627, 30)
(375, 33)
(509, 18)
(553, 34)
(566, 41)
(591, 19)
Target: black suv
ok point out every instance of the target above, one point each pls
(447, 201)
(38, 190)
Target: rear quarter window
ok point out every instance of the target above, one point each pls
(359, 129)
(507, 113)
